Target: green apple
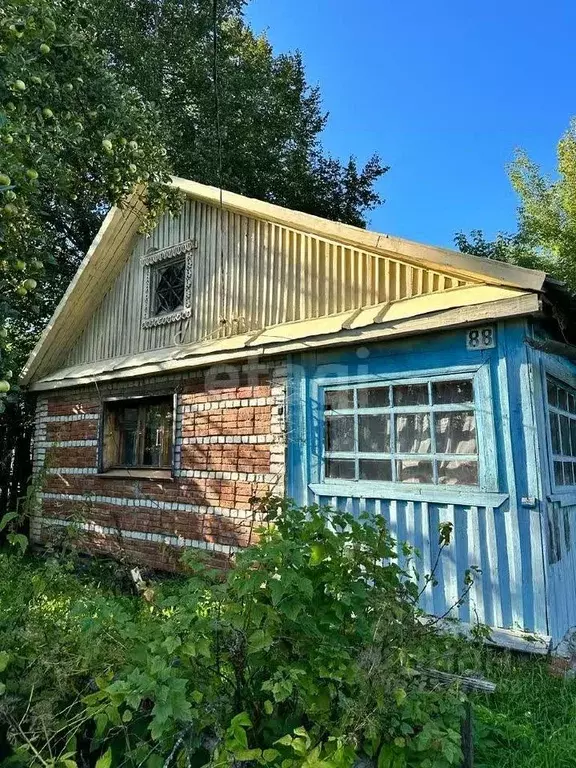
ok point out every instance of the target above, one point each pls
(4, 385)
(47, 112)
(8, 138)
(4, 180)
(19, 85)
(10, 209)
(45, 49)
(9, 195)
(32, 174)
(21, 291)
(20, 265)
(30, 284)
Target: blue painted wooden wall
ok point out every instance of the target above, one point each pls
(498, 527)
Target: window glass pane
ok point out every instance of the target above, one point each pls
(412, 433)
(128, 436)
(555, 434)
(444, 392)
(158, 435)
(552, 393)
(568, 473)
(340, 469)
(458, 472)
(374, 433)
(374, 397)
(414, 471)
(571, 403)
(455, 432)
(373, 469)
(558, 473)
(565, 435)
(411, 394)
(562, 399)
(169, 293)
(337, 399)
(573, 435)
(340, 433)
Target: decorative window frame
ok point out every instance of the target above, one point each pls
(151, 260)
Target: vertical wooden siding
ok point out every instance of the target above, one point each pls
(503, 539)
(248, 274)
(479, 538)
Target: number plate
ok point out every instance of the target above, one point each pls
(481, 338)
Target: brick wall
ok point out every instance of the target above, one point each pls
(229, 448)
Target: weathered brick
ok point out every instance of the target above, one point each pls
(222, 424)
(60, 431)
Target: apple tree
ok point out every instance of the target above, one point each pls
(73, 141)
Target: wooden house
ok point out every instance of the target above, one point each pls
(243, 348)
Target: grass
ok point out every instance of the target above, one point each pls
(530, 722)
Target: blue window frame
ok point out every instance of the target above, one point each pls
(422, 430)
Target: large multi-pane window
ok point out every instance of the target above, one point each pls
(416, 432)
(562, 418)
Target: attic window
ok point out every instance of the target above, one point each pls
(167, 284)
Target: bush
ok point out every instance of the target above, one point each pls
(309, 652)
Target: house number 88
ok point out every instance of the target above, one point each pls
(481, 338)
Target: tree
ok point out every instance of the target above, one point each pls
(73, 141)
(546, 237)
(270, 119)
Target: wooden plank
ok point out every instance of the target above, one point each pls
(472, 266)
(196, 356)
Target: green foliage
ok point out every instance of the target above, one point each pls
(73, 141)
(271, 119)
(309, 652)
(512, 249)
(546, 237)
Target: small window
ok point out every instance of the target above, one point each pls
(421, 432)
(167, 284)
(562, 425)
(168, 281)
(138, 433)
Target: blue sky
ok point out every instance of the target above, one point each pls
(443, 91)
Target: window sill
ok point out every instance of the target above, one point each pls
(564, 498)
(433, 494)
(137, 474)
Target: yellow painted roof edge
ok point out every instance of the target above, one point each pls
(120, 226)
(407, 316)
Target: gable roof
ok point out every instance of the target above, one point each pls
(106, 257)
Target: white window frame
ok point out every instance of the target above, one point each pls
(485, 432)
(561, 378)
(160, 258)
